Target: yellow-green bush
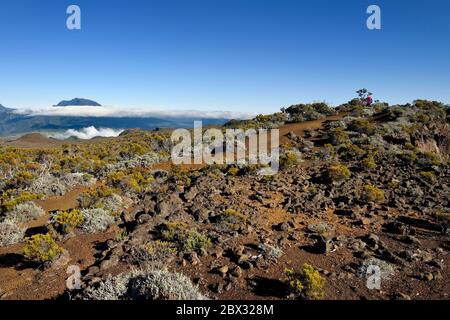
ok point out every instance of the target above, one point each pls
(172, 229)
(195, 241)
(41, 248)
(180, 177)
(362, 125)
(409, 156)
(428, 176)
(136, 180)
(158, 248)
(187, 239)
(431, 158)
(233, 171)
(338, 136)
(372, 193)
(307, 282)
(351, 150)
(68, 220)
(369, 162)
(233, 219)
(339, 172)
(442, 216)
(288, 159)
(23, 178)
(393, 184)
(90, 197)
(12, 198)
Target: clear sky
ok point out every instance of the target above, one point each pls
(237, 55)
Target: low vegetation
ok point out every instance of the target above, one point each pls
(41, 248)
(186, 239)
(307, 283)
(156, 284)
(67, 221)
(10, 232)
(339, 172)
(372, 193)
(96, 220)
(25, 212)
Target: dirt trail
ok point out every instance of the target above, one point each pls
(297, 128)
(300, 128)
(64, 202)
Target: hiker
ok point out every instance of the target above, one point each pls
(369, 101)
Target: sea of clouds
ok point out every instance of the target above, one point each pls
(86, 133)
(107, 111)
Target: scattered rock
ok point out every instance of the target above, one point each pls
(216, 287)
(193, 258)
(428, 276)
(236, 272)
(323, 246)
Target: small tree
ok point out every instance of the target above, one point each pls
(363, 94)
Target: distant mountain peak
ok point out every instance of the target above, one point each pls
(4, 109)
(78, 102)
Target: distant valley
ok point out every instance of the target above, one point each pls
(15, 123)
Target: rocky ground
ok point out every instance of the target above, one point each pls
(232, 233)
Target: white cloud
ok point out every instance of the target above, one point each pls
(87, 133)
(91, 111)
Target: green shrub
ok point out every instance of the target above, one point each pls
(338, 136)
(393, 184)
(232, 220)
(442, 216)
(12, 198)
(233, 171)
(362, 125)
(409, 146)
(428, 176)
(351, 151)
(431, 158)
(173, 229)
(195, 241)
(409, 156)
(339, 172)
(369, 162)
(66, 221)
(42, 248)
(421, 118)
(136, 180)
(90, 197)
(160, 249)
(308, 282)
(180, 177)
(372, 193)
(186, 239)
(288, 159)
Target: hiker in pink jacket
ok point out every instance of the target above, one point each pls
(369, 101)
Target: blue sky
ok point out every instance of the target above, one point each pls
(237, 55)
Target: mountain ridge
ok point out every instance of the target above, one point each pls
(78, 102)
